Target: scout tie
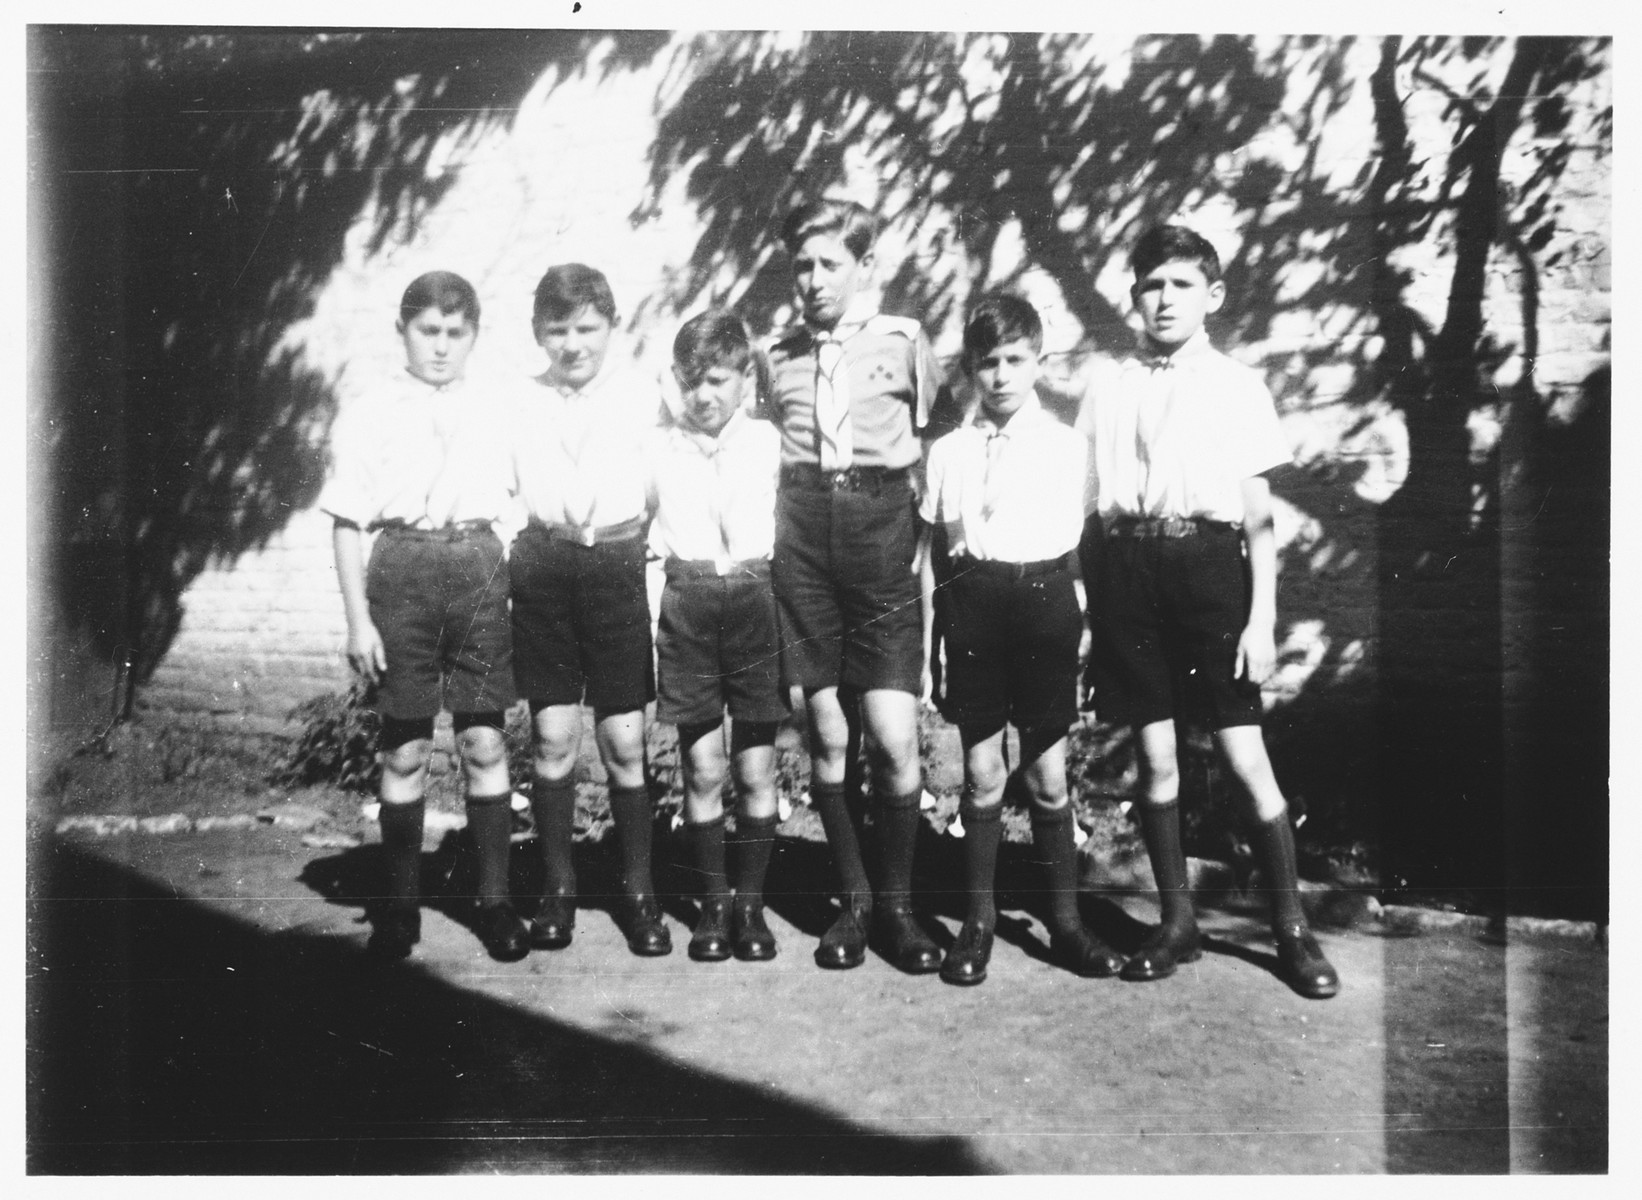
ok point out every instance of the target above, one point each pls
(578, 491)
(832, 404)
(992, 485)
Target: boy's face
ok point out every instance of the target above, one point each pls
(1173, 299)
(1006, 375)
(437, 345)
(827, 277)
(709, 405)
(575, 345)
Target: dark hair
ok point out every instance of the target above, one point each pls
(1001, 318)
(568, 288)
(444, 290)
(845, 220)
(715, 338)
(1173, 243)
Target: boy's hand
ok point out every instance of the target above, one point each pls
(1256, 654)
(366, 653)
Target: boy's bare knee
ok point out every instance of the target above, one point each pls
(482, 747)
(408, 758)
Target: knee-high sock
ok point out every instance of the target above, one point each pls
(632, 811)
(490, 821)
(554, 807)
(402, 847)
(1275, 839)
(828, 801)
(755, 843)
(707, 858)
(1161, 824)
(1056, 845)
(897, 824)
(983, 830)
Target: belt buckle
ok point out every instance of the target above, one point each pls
(841, 481)
(586, 536)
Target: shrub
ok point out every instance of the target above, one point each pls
(337, 743)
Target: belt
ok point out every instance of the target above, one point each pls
(1128, 526)
(457, 531)
(707, 568)
(964, 565)
(807, 477)
(589, 535)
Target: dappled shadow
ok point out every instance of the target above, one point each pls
(165, 1038)
(196, 192)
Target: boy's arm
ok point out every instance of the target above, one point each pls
(1257, 647)
(925, 566)
(365, 650)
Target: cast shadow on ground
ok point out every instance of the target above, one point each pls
(167, 1038)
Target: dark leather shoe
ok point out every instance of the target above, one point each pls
(904, 942)
(965, 964)
(1163, 952)
(554, 923)
(647, 936)
(503, 931)
(844, 945)
(1082, 953)
(394, 930)
(711, 940)
(752, 940)
(1302, 965)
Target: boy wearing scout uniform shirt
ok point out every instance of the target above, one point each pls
(1181, 563)
(423, 462)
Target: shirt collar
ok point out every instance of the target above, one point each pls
(710, 446)
(421, 387)
(1193, 347)
(1025, 416)
(861, 310)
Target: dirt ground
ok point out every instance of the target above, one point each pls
(198, 1001)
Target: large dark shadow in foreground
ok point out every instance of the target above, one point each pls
(165, 1038)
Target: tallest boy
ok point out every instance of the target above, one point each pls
(851, 390)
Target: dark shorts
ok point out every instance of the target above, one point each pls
(439, 602)
(717, 648)
(581, 623)
(1011, 646)
(845, 589)
(1166, 614)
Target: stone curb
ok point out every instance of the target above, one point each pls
(1214, 884)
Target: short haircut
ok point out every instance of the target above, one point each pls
(715, 338)
(849, 222)
(568, 288)
(1173, 243)
(998, 319)
(444, 290)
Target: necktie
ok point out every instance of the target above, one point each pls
(832, 405)
(580, 496)
(445, 486)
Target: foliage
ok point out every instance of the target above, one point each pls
(337, 743)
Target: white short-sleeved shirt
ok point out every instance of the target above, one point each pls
(1009, 494)
(405, 450)
(715, 497)
(1177, 435)
(578, 456)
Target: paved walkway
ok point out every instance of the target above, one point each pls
(199, 1003)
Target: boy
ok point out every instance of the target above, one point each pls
(423, 461)
(713, 492)
(1181, 563)
(581, 619)
(1008, 490)
(851, 391)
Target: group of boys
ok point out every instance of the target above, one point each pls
(815, 533)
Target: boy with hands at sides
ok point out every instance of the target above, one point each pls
(424, 463)
(713, 481)
(581, 616)
(851, 392)
(1180, 560)
(1008, 490)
